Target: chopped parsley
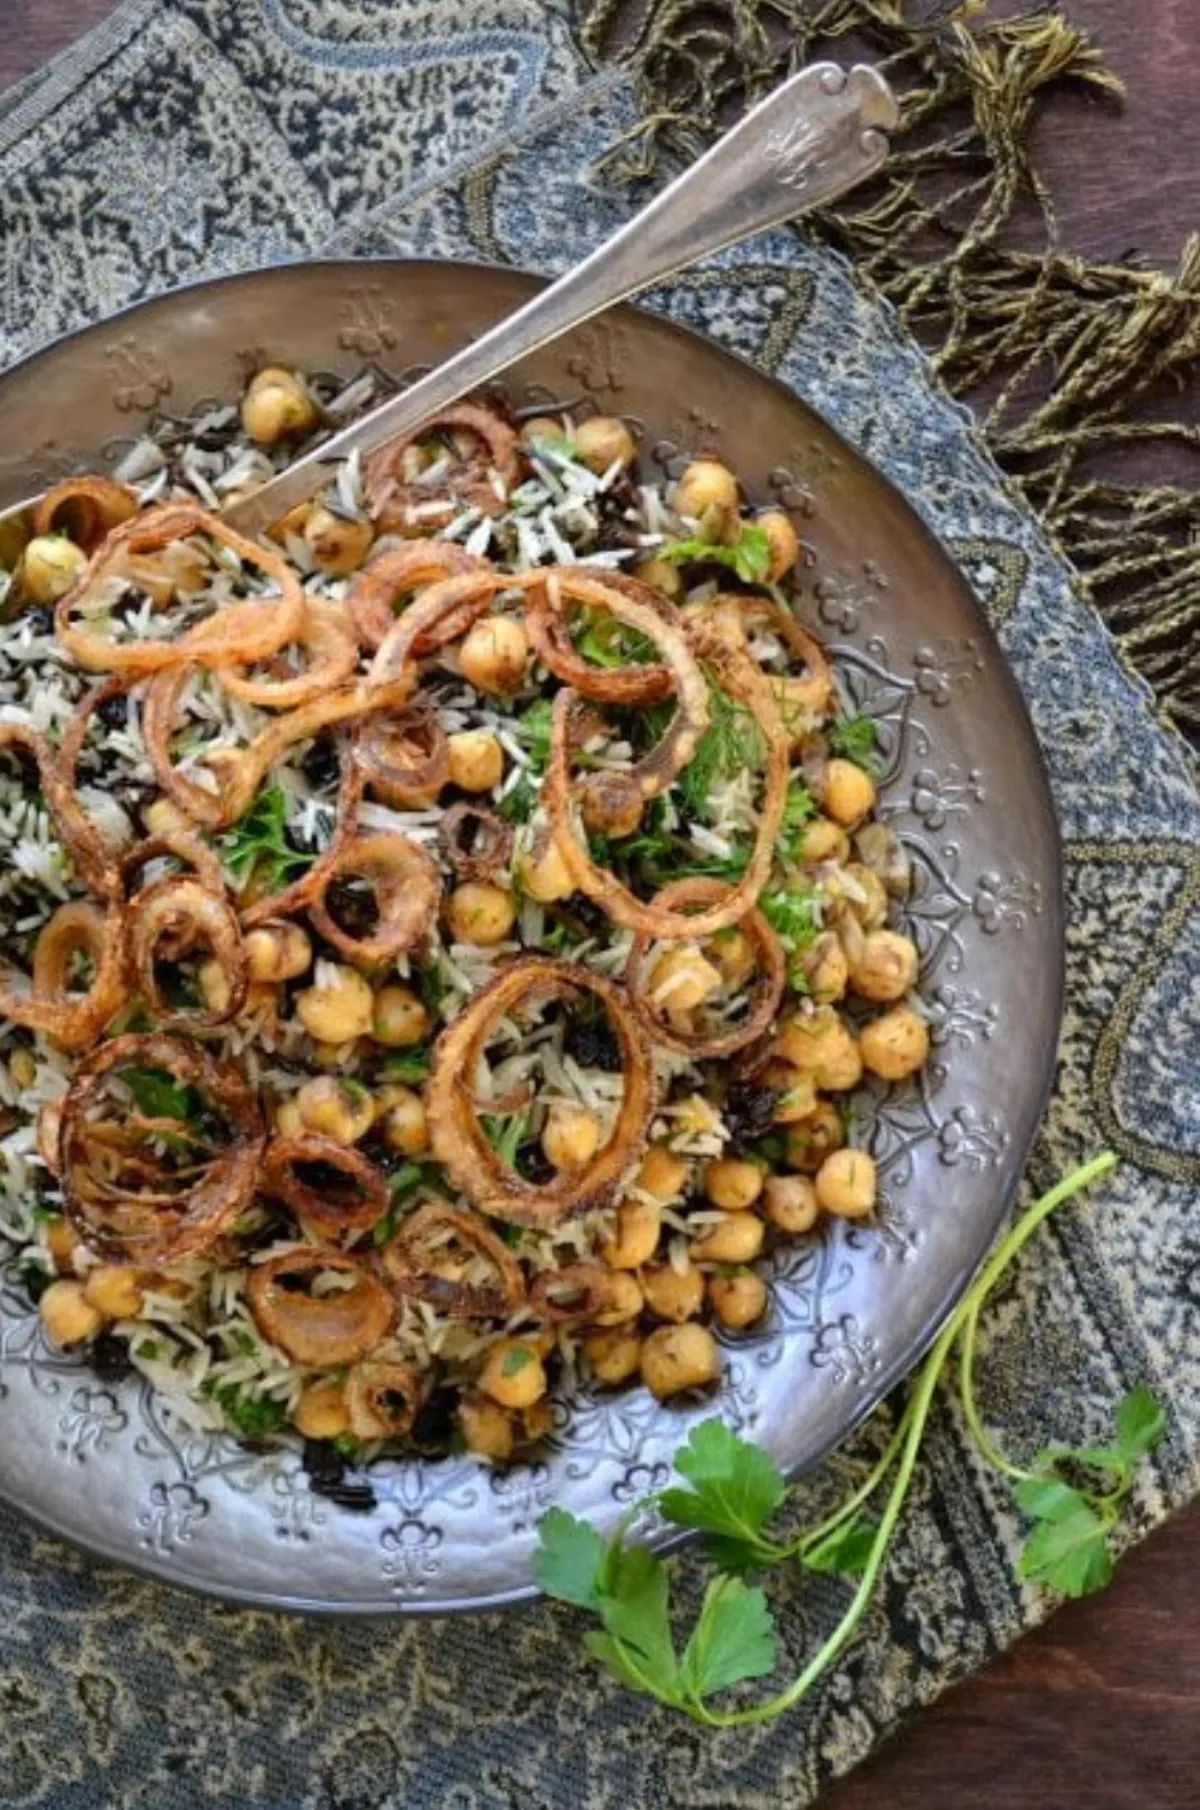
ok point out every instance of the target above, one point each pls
(254, 1416)
(732, 742)
(520, 801)
(258, 843)
(403, 1184)
(516, 1360)
(749, 557)
(854, 738)
(160, 1096)
(506, 1133)
(407, 1065)
(533, 728)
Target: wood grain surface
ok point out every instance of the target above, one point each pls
(1100, 1710)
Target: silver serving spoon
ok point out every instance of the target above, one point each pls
(820, 133)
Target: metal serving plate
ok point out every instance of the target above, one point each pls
(853, 1309)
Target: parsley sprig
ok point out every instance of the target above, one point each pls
(748, 557)
(732, 1492)
(258, 843)
(854, 738)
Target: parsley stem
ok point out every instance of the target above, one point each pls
(813, 1536)
(988, 1449)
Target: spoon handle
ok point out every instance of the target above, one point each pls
(820, 133)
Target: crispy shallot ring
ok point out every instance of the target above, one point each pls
(576, 1291)
(405, 756)
(392, 499)
(84, 509)
(407, 889)
(295, 897)
(374, 592)
(811, 693)
(243, 632)
(407, 1262)
(349, 1195)
(182, 846)
(171, 917)
(93, 859)
(457, 1137)
(769, 983)
(337, 1328)
(382, 1399)
(438, 616)
(475, 841)
(210, 807)
(546, 620)
(334, 656)
(73, 1019)
(742, 678)
(149, 1225)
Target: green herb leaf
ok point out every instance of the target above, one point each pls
(160, 1096)
(146, 1348)
(845, 1550)
(799, 809)
(606, 641)
(632, 1587)
(567, 1560)
(258, 843)
(853, 738)
(1070, 1553)
(514, 1361)
(403, 1184)
(429, 986)
(734, 1639)
(519, 804)
(407, 1065)
(749, 557)
(533, 728)
(254, 1416)
(1141, 1423)
(734, 1488)
(1048, 1498)
(732, 743)
(506, 1133)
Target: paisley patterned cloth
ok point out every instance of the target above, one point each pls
(189, 137)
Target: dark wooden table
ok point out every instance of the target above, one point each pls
(1101, 1709)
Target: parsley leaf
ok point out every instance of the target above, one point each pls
(407, 1065)
(1070, 1553)
(258, 843)
(734, 1639)
(732, 742)
(520, 802)
(606, 641)
(1141, 1423)
(254, 1416)
(514, 1361)
(749, 557)
(853, 738)
(402, 1185)
(159, 1096)
(632, 1587)
(566, 1563)
(506, 1133)
(800, 807)
(533, 728)
(845, 1549)
(734, 1488)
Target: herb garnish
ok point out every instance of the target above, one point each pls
(731, 1491)
(506, 1133)
(749, 557)
(160, 1096)
(854, 738)
(403, 1184)
(254, 1416)
(407, 1065)
(258, 843)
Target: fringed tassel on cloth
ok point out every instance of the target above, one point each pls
(1062, 359)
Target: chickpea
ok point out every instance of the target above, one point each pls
(783, 544)
(675, 1358)
(288, 1119)
(852, 937)
(895, 1045)
(114, 1290)
(888, 967)
(62, 1242)
(733, 1184)
(337, 543)
(338, 1007)
(49, 567)
(810, 1143)
(738, 1300)
(494, 655)
(849, 793)
(542, 427)
(824, 840)
(662, 1174)
(277, 403)
(661, 575)
(707, 491)
(790, 1203)
(487, 1428)
(625, 1300)
(571, 1136)
(291, 522)
(681, 979)
(738, 1238)
(639, 1223)
(822, 1045)
(481, 913)
(602, 441)
(613, 1355)
(734, 955)
(333, 1055)
(872, 910)
(846, 1184)
(213, 982)
(612, 810)
(475, 760)
(543, 874)
(399, 1018)
(341, 1110)
(403, 1125)
(163, 818)
(22, 1068)
(672, 1294)
(798, 1092)
(67, 1315)
(826, 969)
(278, 952)
(513, 1374)
(321, 1411)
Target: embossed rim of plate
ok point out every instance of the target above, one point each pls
(1044, 1010)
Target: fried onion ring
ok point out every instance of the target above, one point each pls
(457, 1137)
(546, 622)
(581, 1291)
(394, 499)
(382, 1399)
(740, 676)
(158, 1225)
(242, 632)
(347, 1193)
(407, 889)
(84, 509)
(409, 1262)
(374, 591)
(439, 615)
(769, 985)
(93, 858)
(335, 1328)
(405, 757)
(182, 846)
(172, 917)
(73, 1020)
(476, 842)
(334, 656)
(295, 897)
